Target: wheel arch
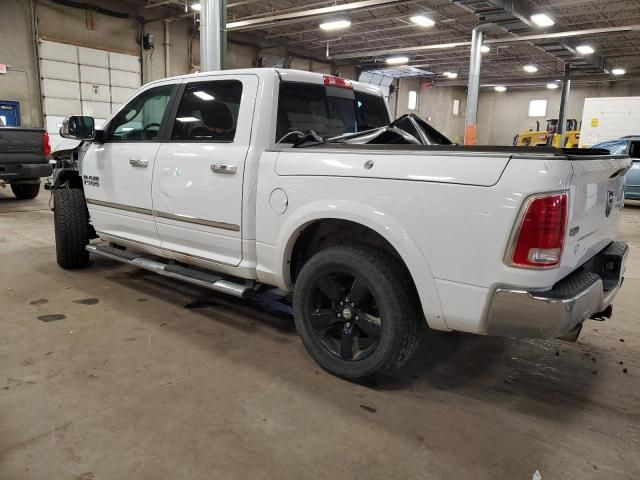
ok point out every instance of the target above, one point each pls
(299, 229)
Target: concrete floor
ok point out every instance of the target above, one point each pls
(114, 373)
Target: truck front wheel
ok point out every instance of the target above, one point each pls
(356, 312)
(26, 191)
(71, 221)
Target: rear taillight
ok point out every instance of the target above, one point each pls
(540, 236)
(46, 145)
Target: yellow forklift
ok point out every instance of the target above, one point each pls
(549, 137)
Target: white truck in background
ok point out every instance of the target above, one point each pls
(238, 179)
(609, 118)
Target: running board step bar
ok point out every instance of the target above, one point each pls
(195, 277)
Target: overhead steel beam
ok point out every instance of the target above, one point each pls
(261, 21)
(493, 41)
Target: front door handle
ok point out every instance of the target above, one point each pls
(138, 162)
(223, 168)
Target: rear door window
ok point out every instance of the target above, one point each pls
(208, 112)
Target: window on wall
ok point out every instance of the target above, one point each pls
(538, 108)
(413, 100)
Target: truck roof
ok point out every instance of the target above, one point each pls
(284, 73)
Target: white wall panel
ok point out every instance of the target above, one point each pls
(96, 109)
(120, 94)
(95, 92)
(120, 78)
(58, 51)
(60, 89)
(94, 75)
(128, 63)
(59, 70)
(93, 57)
(608, 118)
(61, 106)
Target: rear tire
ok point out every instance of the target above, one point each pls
(71, 221)
(375, 347)
(26, 191)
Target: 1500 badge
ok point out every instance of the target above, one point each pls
(91, 181)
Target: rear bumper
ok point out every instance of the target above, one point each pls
(553, 313)
(24, 171)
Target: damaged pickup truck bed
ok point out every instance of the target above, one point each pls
(237, 179)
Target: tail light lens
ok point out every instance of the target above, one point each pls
(46, 145)
(540, 236)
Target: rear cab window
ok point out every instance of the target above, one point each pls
(326, 110)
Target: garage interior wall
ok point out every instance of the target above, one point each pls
(83, 28)
(17, 50)
(501, 115)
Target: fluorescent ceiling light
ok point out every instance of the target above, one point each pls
(585, 49)
(335, 24)
(618, 71)
(500, 88)
(204, 96)
(187, 119)
(542, 20)
(485, 49)
(530, 68)
(196, 6)
(422, 21)
(451, 75)
(397, 60)
(552, 86)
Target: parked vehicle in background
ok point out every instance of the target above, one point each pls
(629, 145)
(242, 179)
(24, 159)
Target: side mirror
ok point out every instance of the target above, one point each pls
(78, 127)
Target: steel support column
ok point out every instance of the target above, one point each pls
(564, 99)
(474, 86)
(210, 45)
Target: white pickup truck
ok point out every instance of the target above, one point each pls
(237, 179)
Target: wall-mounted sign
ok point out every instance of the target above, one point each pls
(3, 68)
(594, 123)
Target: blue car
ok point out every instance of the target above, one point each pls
(631, 146)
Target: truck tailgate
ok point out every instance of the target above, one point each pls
(596, 200)
(21, 146)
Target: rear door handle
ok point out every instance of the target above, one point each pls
(223, 168)
(138, 162)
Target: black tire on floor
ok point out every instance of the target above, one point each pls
(390, 294)
(26, 191)
(71, 220)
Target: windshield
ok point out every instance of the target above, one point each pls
(616, 147)
(326, 110)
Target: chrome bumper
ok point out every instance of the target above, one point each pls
(553, 313)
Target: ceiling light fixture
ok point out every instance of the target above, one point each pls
(530, 68)
(585, 49)
(397, 60)
(485, 49)
(204, 96)
(500, 88)
(337, 24)
(542, 20)
(618, 71)
(196, 6)
(422, 21)
(552, 86)
(450, 75)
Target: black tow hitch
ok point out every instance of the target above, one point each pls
(603, 315)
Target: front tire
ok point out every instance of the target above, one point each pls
(356, 312)
(71, 220)
(26, 191)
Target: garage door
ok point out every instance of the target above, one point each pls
(78, 80)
